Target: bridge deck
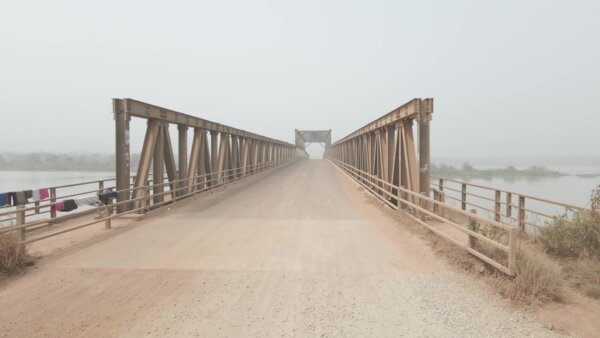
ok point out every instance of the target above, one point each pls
(300, 253)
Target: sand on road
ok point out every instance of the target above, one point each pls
(298, 253)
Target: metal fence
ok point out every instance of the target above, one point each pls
(150, 197)
(529, 213)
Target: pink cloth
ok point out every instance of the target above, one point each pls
(44, 193)
(59, 206)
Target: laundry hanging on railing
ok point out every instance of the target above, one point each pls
(58, 206)
(69, 205)
(39, 194)
(18, 198)
(88, 200)
(107, 196)
(5, 199)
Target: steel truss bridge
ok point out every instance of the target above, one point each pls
(389, 158)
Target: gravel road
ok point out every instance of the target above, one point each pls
(298, 253)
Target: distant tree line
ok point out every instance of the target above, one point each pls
(468, 171)
(60, 162)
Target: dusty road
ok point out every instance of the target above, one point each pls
(299, 253)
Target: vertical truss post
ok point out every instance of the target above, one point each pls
(221, 159)
(424, 147)
(183, 165)
(203, 171)
(235, 163)
(194, 160)
(214, 150)
(158, 166)
(169, 160)
(123, 165)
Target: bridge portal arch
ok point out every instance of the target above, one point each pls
(306, 137)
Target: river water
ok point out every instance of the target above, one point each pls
(573, 190)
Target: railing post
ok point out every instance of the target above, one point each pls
(109, 208)
(512, 250)
(463, 197)
(141, 204)
(436, 197)
(472, 227)
(508, 204)
(20, 216)
(522, 212)
(443, 201)
(52, 201)
(37, 207)
(100, 186)
(423, 204)
(441, 184)
(497, 206)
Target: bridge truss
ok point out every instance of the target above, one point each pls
(306, 137)
(228, 153)
(383, 157)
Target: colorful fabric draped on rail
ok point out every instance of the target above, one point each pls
(15, 198)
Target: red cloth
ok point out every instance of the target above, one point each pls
(59, 205)
(43, 193)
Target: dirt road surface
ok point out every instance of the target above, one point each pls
(299, 253)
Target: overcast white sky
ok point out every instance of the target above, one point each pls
(508, 77)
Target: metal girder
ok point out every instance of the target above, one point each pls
(411, 110)
(211, 162)
(141, 178)
(304, 137)
(145, 110)
(385, 150)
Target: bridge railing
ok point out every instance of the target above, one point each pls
(144, 202)
(499, 250)
(385, 159)
(528, 213)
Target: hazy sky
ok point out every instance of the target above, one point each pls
(508, 77)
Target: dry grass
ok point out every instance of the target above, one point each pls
(583, 275)
(537, 280)
(494, 233)
(12, 255)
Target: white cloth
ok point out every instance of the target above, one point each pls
(35, 195)
(89, 200)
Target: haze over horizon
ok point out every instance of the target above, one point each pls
(508, 78)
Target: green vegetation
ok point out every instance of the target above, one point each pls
(575, 244)
(468, 171)
(576, 237)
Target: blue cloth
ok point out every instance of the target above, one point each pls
(4, 198)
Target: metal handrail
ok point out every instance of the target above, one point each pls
(366, 180)
(231, 177)
(540, 199)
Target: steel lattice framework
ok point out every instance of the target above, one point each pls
(385, 148)
(231, 153)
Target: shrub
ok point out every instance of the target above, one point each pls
(537, 280)
(12, 255)
(577, 237)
